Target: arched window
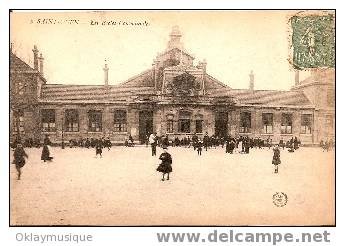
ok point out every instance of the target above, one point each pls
(184, 122)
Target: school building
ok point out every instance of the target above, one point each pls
(176, 96)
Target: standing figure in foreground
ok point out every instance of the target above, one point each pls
(153, 143)
(276, 158)
(19, 159)
(165, 166)
(99, 148)
(46, 152)
(199, 147)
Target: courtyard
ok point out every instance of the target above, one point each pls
(123, 188)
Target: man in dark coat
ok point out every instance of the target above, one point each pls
(99, 147)
(195, 140)
(19, 159)
(295, 143)
(232, 145)
(165, 166)
(206, 141)
(199, 147)
(87, 143)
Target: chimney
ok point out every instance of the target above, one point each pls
(35, 50)
(41, 59)
(251, 81)
(296, 77)
(106, 69)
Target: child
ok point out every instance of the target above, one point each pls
(19, 159)
(276, 158)
(99, 148)
(165, 166)
(199, 147)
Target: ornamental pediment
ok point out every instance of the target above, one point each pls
(183, 83)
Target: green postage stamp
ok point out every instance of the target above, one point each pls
(313, 41)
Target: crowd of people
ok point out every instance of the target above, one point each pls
(240, 144)
(327, 145)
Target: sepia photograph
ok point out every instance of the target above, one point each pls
(172, 118)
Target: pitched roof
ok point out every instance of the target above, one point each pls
(91, 93)
(265, 97)
(19, 65)
(143, 79)
(183, 50)
(213, 84)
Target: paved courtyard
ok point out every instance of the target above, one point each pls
(123, 188)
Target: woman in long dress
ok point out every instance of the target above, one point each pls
(46, 153)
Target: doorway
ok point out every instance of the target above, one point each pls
(221, 124)
(145, 125)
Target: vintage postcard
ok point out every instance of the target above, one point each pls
(149, 118)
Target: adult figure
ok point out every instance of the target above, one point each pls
(195, 140)
(19, 159)
(206, 141)
(232, 145)
(153, 143)
(46, 154)
(99, 147)
(46, 140)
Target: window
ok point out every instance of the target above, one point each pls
(267, 122)
(198, 123)
(245, 122)
(48, 120)
(95, 121)
(198, 126)
(306, 121)
(120, 121)
(71, 120)
(184, 122)
(286, 124)
(18, 124)
(170, 123)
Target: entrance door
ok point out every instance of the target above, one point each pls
(145, 125)
(221, 124)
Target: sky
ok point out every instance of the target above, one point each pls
(232, 42)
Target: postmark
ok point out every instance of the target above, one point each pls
(313, 41)
(280, 199)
